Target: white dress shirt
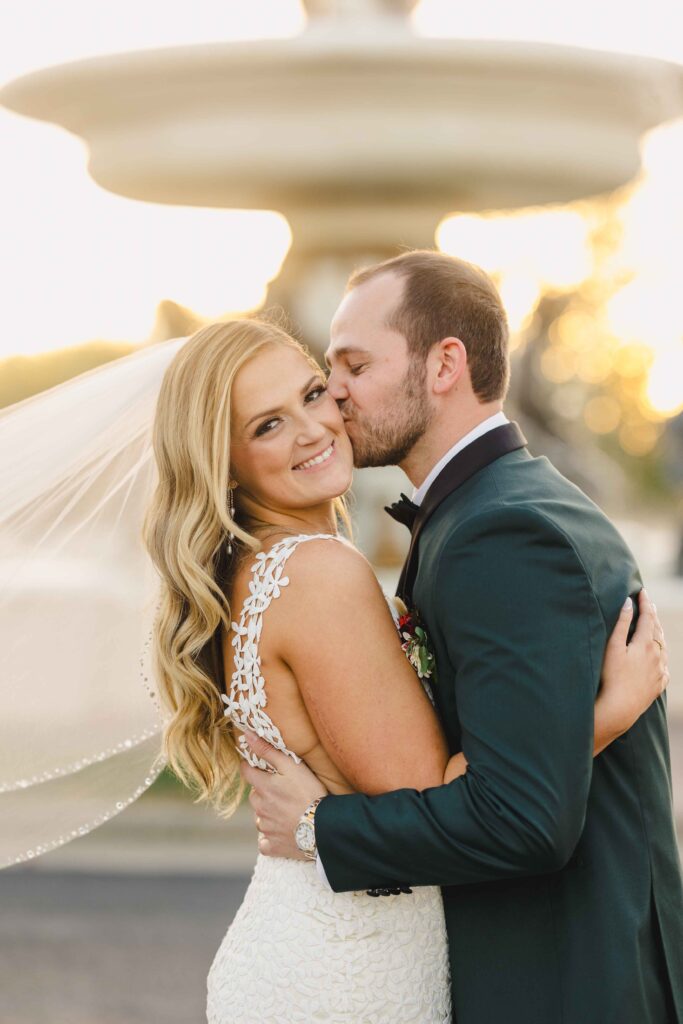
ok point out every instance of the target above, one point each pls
(497, 420)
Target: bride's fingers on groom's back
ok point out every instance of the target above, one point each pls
(651, 617)
(648, 628)
(649, 636)
(657, 642)
(619, 634)
(643, 628)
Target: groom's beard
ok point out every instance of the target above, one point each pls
(386, 439)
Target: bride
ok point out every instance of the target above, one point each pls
(246, 524)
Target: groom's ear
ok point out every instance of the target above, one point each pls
(449, 363)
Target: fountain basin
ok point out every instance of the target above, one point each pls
(359, 119)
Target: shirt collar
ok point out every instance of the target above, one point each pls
(497, 420)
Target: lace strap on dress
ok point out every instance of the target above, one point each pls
(247, 698)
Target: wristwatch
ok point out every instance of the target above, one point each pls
(304, 834)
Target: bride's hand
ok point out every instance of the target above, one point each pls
(456, 767)
(633, 676)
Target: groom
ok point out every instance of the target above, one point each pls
(560, 874)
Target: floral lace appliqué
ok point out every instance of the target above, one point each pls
(246, 699)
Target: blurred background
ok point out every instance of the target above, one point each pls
(165, 165)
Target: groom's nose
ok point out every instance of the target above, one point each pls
(336, 387)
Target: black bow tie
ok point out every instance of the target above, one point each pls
(403, 511)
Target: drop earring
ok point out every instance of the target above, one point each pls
(231, 512)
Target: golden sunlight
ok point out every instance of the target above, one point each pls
(621, 328)
(80, 263)
(528, 252)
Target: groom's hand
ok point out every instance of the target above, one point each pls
(279, 799)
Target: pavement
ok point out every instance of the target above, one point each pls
(83, 948)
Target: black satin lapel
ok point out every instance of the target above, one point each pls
(477, 455)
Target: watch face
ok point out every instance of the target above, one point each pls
(305, 836)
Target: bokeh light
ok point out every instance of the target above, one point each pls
(528, 251)
(609, 264)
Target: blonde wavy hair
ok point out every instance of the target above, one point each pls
(186, 531)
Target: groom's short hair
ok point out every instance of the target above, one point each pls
(448, 297)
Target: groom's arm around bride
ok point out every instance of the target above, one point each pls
(519, 635)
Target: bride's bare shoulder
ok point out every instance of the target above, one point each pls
(332, 561)
(326, 574)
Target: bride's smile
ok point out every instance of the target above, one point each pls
(317, 460)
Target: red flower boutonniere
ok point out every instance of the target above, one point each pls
(414, 641)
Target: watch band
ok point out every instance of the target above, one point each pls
(304, 834)
(394, 890)
(309, 813)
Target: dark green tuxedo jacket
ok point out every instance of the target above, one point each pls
(560, 872)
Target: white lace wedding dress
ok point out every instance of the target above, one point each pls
(296, 952)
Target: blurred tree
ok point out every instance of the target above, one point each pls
(583, 388)
(22, 376)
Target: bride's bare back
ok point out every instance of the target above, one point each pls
(286, 706)
(338, 687)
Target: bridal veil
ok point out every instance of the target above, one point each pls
(80, 718)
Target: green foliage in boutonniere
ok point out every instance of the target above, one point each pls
(414, 641)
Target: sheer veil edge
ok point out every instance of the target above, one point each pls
(80, 716)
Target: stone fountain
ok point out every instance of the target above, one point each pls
(363, 134)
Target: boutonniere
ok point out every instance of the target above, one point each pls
(414, 641)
